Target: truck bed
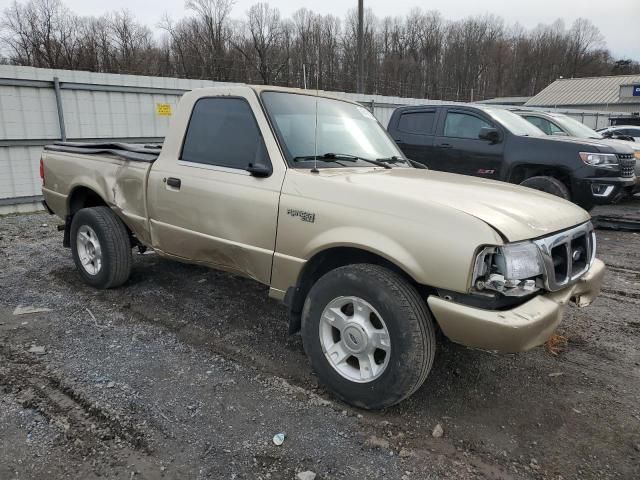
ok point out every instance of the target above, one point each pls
(116, 172)
(125, 151)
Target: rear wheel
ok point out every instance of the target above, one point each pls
(100, 247)
(368, 334)
(549, 185)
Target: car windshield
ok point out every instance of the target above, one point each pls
(514, 123)
(343, 130)
(575, 128)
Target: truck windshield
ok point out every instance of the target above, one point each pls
(514, 123)
(342, 128)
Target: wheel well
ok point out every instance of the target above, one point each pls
(322, 263)
(83, 197)
(522, 172)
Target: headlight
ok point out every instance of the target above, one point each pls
(599, 159)
(514, 269)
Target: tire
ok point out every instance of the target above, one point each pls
(549, 185)
(392, 305)
(101, 247)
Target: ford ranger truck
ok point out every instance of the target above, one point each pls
(309, 195)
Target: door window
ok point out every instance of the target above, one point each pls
(223, 132)
(554, 129)
(463, 125)
(545, 125)
(632, 132)
(417, 122)
(540, 123)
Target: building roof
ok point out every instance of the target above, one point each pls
(505, 101)
(586, 91)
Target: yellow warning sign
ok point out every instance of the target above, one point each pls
(163, 109)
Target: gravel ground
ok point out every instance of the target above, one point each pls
(187, 372)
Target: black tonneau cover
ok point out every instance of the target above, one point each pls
(126, 151)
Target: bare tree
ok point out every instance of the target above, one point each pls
(584, 38)
(129, 40)
(420, 54)
(260, 41)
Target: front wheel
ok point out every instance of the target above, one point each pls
(368, 334)
(101, 247)
(549, 185)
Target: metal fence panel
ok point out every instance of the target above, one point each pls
(28, 113)
(99, 114)
(19, 171)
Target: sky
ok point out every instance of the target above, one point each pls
(618, 20)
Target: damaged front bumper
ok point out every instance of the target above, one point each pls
(520, 328)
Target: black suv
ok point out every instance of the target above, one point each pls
(492, 142)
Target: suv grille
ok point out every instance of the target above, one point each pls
(627, 164)
(567, 255)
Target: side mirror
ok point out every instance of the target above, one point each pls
(261, 165)
(490, 134)
(259, 170)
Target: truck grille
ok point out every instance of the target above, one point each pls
(567, 255)
(627, 164)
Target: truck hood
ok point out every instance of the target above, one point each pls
(635, 146)
(517, 213)
(589, 144)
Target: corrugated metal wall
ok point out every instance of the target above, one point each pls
(107, 107)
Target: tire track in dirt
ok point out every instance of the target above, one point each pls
(85, 424)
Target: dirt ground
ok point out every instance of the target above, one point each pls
(188, 373)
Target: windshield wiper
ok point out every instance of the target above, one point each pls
(395, 159)
(340, 157)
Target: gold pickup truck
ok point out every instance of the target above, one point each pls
(310, 196)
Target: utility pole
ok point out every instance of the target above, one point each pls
(304, 75)
(360, 75)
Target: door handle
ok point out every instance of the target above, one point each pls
(398, 141)
(174, 182)
(444, 145)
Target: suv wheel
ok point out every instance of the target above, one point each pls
(549, 185)
(368, 334)
(100, 247)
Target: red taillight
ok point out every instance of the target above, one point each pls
(42, 170)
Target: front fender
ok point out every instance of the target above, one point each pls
(437, 252)
(370, 241)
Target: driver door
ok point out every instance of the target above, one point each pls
(459, 148)
(204, 206)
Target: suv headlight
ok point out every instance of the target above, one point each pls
(514, 269)
(599, 159)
